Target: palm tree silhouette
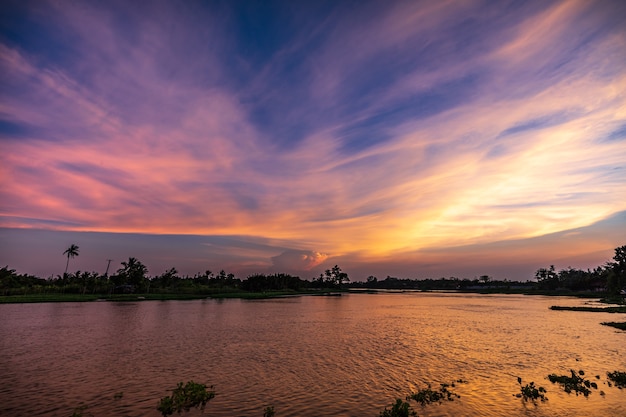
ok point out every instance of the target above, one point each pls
(70, 252)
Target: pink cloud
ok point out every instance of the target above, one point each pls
(139, 141)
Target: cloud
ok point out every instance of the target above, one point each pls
(298, 260)
(373, 131)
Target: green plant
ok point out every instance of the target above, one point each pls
(618, 378)
(185, 397)
(399, 409)
(269, 411)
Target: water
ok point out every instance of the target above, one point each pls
(306, 356)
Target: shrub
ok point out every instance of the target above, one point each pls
(618, 378)
(575, 382)
(399, 409)
(185, 397)
(531, 392)
(427, 395)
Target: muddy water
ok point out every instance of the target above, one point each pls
(306, 356)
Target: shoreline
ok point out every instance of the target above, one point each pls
(85, 298)
(60, 297)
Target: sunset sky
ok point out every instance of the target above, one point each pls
(414, 139)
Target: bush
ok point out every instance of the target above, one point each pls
(185, 397)
(531, 392)
(618, 378)
(399, 409)
(575, 382)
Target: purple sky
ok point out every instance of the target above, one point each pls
(412, 139)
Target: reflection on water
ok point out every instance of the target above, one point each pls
(317, 356)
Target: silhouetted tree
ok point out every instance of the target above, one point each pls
(71, 252)
(334, 277)
(133, 273)
(617, 274)
(547, 278)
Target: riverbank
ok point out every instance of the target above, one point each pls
(616, 310)
(61, 298)
(251, 295)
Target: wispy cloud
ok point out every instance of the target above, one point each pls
(360, 133)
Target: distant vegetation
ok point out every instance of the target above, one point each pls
(132, 278)
(608, 279)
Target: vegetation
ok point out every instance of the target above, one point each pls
(274, 282)
(332, 278)
(71, 252)
(621, 326)
(591, 309)
(531, 392)
(618, 378)
(428, 395)
(399, 409)
(608, 279)
(575, 382)
(131, 281)
(185, 397)
(132, 278)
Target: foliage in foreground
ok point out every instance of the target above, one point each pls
(618, 378)
(575, 382)
(194, 395)
(531, 392)
(423, 396)
(399, 409)
(191, 395)
(428, 395)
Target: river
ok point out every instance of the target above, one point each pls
(307, 356)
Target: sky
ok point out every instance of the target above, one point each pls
(416, 139)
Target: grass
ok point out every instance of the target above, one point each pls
(47, 298)
(58, 297)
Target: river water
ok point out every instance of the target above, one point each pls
(307, 356)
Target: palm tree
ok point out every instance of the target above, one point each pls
(70, 252)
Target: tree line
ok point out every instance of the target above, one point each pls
(609, 278)
(132, 277)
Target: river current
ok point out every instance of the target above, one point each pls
(307, 356)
